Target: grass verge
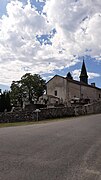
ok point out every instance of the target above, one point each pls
(16, 124)
(32, 122)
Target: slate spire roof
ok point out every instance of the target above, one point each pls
(83, 75)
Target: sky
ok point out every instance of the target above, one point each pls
(49, 37)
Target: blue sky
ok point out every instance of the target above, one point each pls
(49, 37)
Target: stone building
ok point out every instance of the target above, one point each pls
(69, 90)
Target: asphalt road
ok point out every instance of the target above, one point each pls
(62, 150)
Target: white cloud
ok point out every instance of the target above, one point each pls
(91, 75)
(18, 45)
(76, 74)
(77, 25)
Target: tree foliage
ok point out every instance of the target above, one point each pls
(5, 103)
(16, 93)
(30, 87)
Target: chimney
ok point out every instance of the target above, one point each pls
(93, 84)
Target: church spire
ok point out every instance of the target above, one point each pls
(83, 75)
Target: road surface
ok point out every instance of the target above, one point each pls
(63, 150)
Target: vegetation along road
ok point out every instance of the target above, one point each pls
(60, 150)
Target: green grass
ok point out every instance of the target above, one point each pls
(31, 122)
(16, 124)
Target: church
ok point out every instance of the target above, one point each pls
(66, 90)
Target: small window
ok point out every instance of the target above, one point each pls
(99, 95)
(55, 92)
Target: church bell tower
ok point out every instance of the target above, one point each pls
(83, 75)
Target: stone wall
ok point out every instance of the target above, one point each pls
(31, 115)
(50, 113)
(93, 108)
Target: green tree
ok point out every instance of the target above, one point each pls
(2, 102)
(16, 93)
(30, 86)
(5, 101)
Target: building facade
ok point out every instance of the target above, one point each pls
(67, 89)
